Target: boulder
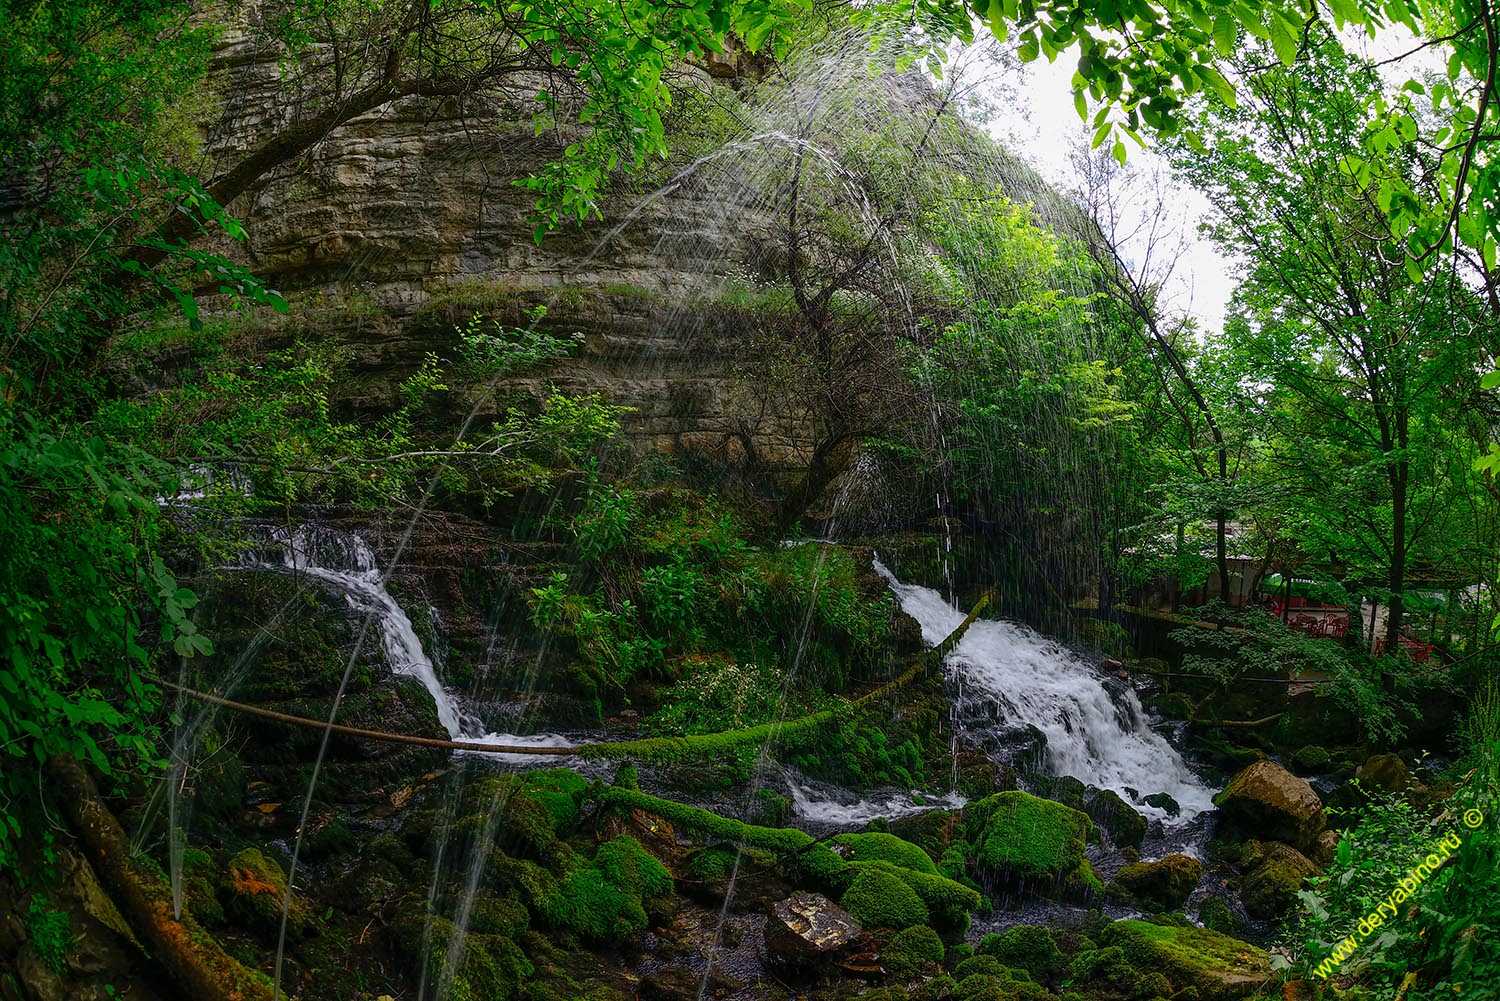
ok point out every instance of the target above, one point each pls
(1021, 835)
(1266, 801)
(1164, 803)
(1158, 886)
(808, 928)
(1219, 967)
(1383, 772)
(1124, 825)
(1270, 887)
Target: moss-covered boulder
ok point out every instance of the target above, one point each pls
(1121, 821)
(255, 892)
(1020, 835)
(1158, 886)
(1311, 759)
(1025, 947)
(484, 967)
(604, 898)
(878, 847)
(912, 952)
(1275, 874)
(1215, 913)
(879, 899)
(1220, 968)
(1266, 801)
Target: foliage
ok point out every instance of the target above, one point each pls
(717, 696)
(604, 523)
(493, 351)
(1253, 642)
(49, 932)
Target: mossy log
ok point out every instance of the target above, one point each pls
(190, 956)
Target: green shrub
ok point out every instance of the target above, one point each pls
(605, 521)
(878, 899)
(603, 899)
(1025, 947)
(912, 952)
(875, 846)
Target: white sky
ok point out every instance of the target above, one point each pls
(1043, 127)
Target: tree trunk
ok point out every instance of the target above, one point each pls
(1397, 581)
(188, 954)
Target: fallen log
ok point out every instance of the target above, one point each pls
(190, 956)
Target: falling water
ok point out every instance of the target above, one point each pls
(345, 562)
(1027, 679)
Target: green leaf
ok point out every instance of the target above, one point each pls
(1490, 380)
(1284, 38)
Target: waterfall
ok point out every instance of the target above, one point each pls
(345, 562)
(1017, 677)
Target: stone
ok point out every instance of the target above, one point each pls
(1311, 758)
(1163, 802)
(1384, 772)
(1158, 886)
(1024, 836)
(1327, 847)
(1121, 821)
(808, 928)
(1270, 888)
(1267, 801)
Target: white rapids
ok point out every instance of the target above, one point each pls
(1101, 739)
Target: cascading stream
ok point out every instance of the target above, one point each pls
(345, 562)
(1024, 678)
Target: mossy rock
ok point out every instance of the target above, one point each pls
(604, 899)
(1158, 886)
(489, 967)
(255, 892)
(879, 899)
(1270, 887)
(978, 987)
(1265, 800)
(873, 847)
(912, 952)
(1025, 947)
(1219, 967)
(1024, 836)
(1218, 915)
(989, 966)
(1311, 758)
(1106, 965)
(1121, 821)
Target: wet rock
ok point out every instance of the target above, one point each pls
(1311, 759)
(670, 983)
(1267, 801)
(1326, 848)
(1162, 801)
(1384, 772)
(1270, 888)
(1158, 886)
(1023, 836)
(255, 892)
(1121, 821)
(807, 929)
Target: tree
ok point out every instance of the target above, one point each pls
(1364, 363)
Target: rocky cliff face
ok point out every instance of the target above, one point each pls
(401, 223)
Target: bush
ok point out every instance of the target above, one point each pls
(877, 899)
(912, 952)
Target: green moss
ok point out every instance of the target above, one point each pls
(603, 899)
(1107, 965)
(878, 899)
(872, 847)
(1311, 758)
(1152, 985)
(489, 967)
(1158, 886)
(1025, 947)
(1218, 915)
(713, 864)
(255, 893)
(912, 952)
(1021, 835)
(1196, 957)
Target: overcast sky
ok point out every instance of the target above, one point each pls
(1041, 125)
